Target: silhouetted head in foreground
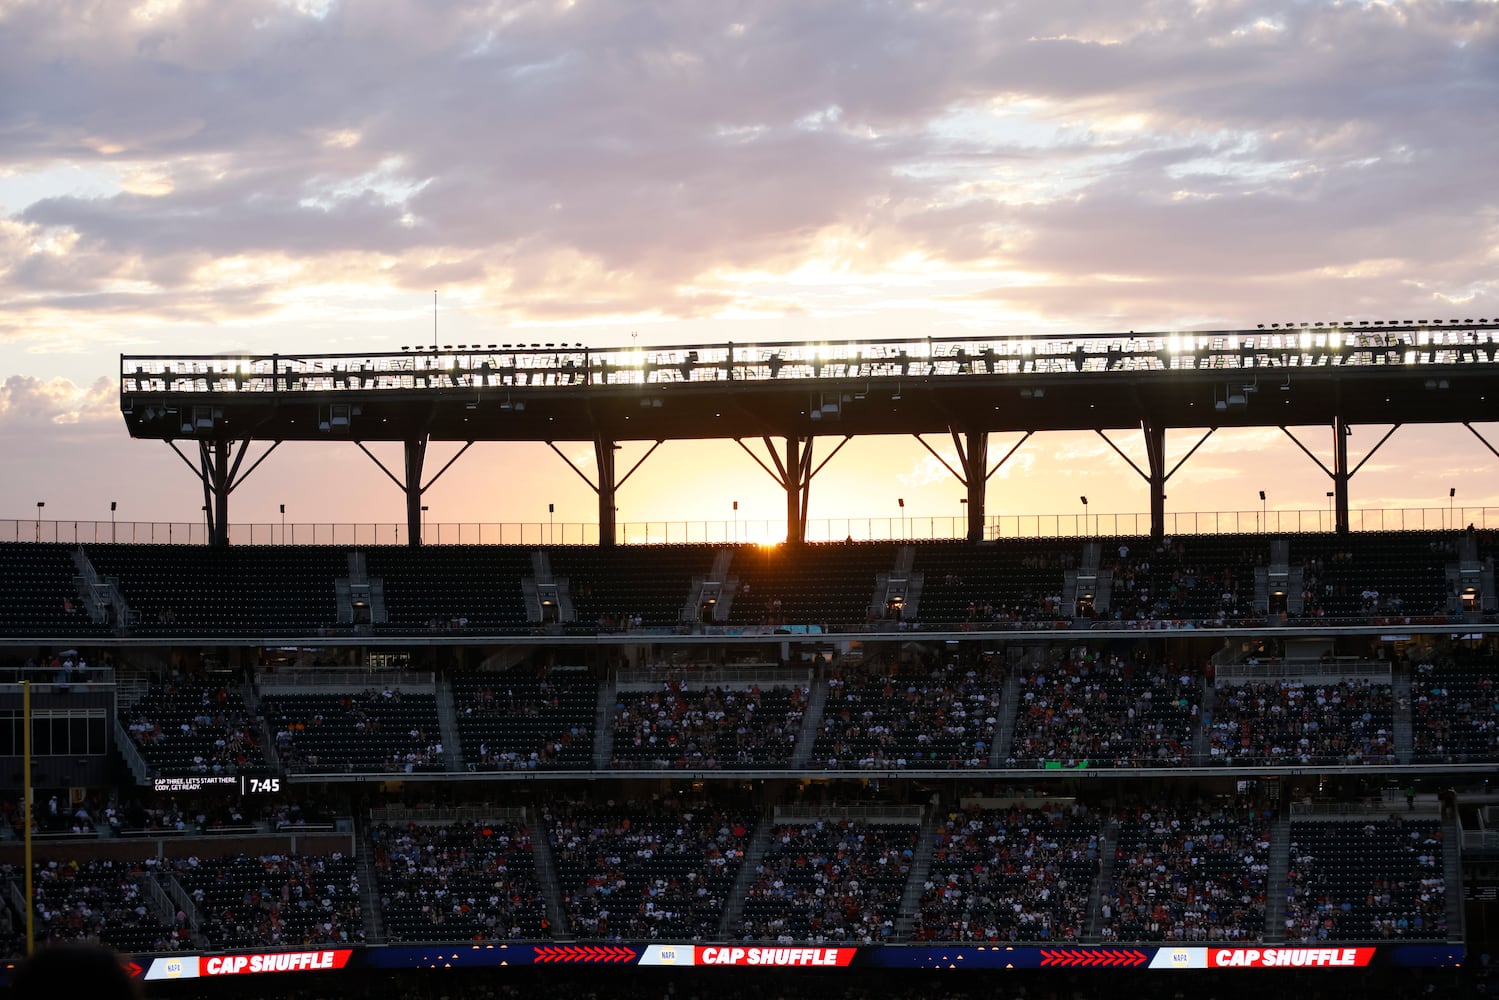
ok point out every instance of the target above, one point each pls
(73, 969)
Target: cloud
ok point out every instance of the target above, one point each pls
(587, 161)
(27, 403)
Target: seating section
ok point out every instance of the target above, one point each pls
(103, 901)
(242, 588)
(1455, 712)
(1381, 573)
(174, 589)
(452, 587)
(915, 714)
(469, 881)
(274, 899)
(676, 726)
(1011, 582)
(527, 718)
(819, 584)
(1010, 875)
(830, 881)
(1188, 874)
(40, 598)
(1366, 880)
(1105, 710)
(185, 726)
(612, 588)
(1305, 722)
(1204, 578)
(386, 730)
(659, 870)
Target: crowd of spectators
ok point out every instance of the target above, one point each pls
(186, 725)
(105, 902)
(1306, 722)
(678, 726)
(646, 870)
(1188, 874)
(1011, 874)
(1454, 711)
(526, 719)
(463, 881)
(273, 899)
(834, 880)
(1367, 880)
(1106, 710)
(373, 730)
(929, 713)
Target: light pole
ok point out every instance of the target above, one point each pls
(962, 517)
(551, 509)
(901, 501)
(1085, 515)
(424, 524)
(283, 524)
(112, 505)
(1330, 516)
(1451, 498)
(736, 522)
(39, 505)
(1264, 513)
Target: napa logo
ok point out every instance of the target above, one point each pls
(1180, 958)
(174, 968)
(668, 954)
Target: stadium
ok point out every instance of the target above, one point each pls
(1027, 758)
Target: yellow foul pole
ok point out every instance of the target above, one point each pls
(27, 811)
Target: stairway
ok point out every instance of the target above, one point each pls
(267, 738)
(1404, 735)
(1276, 881)
(817, 702)
(1202, 731)
(546, 874)
(447, 721)
(1452, 873)
(369, 887)
(603, 724)
(1093, 926)
(1004, 733)
(921, 867)
(754, 854)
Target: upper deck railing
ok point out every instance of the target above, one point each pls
(758, 531)
(1353, 344)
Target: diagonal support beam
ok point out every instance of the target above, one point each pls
(961, 477)
(219, 474)
(1192, 451)
(253, 466)
(779, 473)
(649, 452)
(446, 467)
(1372, 450)
(1008, 455)
(391, 475)
(1340, 473)
(1481, 438)
(1127, 460)
(847, 438)
(571, 465)
(1305, 450)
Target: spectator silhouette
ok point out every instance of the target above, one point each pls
(73, 969)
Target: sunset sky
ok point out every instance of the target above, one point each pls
(301, 175)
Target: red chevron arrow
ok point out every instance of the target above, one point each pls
(589, 954)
